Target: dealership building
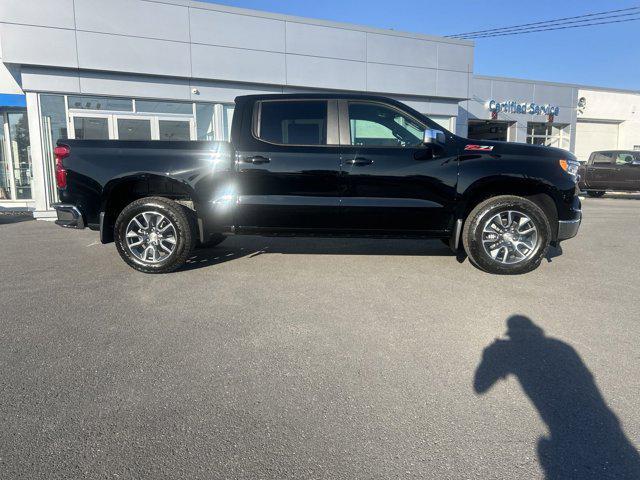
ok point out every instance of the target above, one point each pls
(170, 70)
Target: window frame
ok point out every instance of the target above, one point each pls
(345, 123)
(332, 122)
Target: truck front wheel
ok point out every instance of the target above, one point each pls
(506, 235)
(154, 235)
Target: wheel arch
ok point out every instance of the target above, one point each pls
(120, 192)
(536, 191)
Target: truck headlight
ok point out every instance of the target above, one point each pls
(570, 166)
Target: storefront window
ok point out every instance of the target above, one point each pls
(548, 134)
(205, 120)
(54, 128)
(21, 154)
(100, 103)
(488, 130)
(228, 118)
(151, 106)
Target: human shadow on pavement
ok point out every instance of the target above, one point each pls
(585, 439)
(238, 247)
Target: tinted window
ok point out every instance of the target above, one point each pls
(602, 158)
(294, 122)
(375, 125)
(164, 107)
(624, 158)
(100, 103)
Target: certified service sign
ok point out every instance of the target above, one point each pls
(523, 107)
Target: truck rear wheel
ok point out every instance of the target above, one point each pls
(154, 235)
(506, 235)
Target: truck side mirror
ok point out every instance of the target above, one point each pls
(434, 137)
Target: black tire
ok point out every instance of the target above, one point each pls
(595, 193)
(212, 242)
(184, 237)
(483, 212)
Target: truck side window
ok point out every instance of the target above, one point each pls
(624, 159)
(375, 125)
(293, 122)
(602, 158)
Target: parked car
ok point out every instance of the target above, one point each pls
(322, 164)
(610, 170)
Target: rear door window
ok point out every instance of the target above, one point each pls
(292, 122)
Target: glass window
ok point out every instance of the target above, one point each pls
(293, 122)
(548, 134)
(228, 119)
(205, 120)
(21, 154)
(151, 106)
(54, 128)
(54, 117)
(488, 130)
(5, 166)
(134, 129)
(380, 126)
(624, 158)
(175, 130)
(90, 128)
(602, 158)
(100, 103)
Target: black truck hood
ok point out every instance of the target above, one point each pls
(469, 146)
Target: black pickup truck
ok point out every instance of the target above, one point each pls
(610, 170)
(321, 164)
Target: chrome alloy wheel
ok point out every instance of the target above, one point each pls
(509, 237)
(151, 237)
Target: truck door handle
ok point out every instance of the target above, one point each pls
(359, 161)
(257, 160)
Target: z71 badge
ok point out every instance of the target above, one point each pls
(483, 148)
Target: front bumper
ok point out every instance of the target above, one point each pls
(568, 228)
(68, 216)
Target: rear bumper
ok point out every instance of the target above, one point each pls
(68, 216)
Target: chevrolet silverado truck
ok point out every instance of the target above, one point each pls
(321, 164)
(610, 170)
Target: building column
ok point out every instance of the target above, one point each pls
(39, 185)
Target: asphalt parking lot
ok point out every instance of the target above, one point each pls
(321, 358)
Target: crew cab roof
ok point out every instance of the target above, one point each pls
(319, 96)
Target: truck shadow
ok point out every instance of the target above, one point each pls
(238, 247)
(6, 219)
(585, 439)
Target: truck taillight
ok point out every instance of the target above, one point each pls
(61, 152)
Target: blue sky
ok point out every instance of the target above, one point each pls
(605, 55)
